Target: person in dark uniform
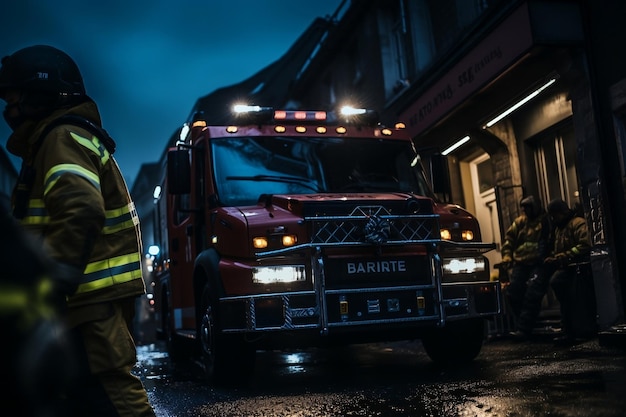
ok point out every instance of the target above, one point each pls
(72, 198)
(526, 245)
(36, 360)
(568, 262)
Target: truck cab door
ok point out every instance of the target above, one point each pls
(181, 240)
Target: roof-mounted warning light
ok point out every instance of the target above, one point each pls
(300, 116)
(251, 113)
(358, 116)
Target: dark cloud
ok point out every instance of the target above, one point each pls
(146, 62)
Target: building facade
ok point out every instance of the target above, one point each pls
(532, 94)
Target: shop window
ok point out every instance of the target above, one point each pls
(555, 160)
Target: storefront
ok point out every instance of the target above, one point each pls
(519, 108)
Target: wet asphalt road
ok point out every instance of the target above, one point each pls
(398, 379)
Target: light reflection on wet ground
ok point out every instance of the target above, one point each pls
(531, 379)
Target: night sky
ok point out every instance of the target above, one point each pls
(146, 62)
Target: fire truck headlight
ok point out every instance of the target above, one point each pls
(278, 274)
(467, 235)
(445, 234)
(463, 265)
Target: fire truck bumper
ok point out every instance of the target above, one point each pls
(341, 311)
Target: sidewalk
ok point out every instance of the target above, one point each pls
(613, 337)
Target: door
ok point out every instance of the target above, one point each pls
(483, 190)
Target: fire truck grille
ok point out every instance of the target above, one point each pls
(373, 224)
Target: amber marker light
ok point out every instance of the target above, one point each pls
(280, 129)
(259, 242)
(386, 132)
(232, 129)
(300, 129)
(320, 129)
(341, 130)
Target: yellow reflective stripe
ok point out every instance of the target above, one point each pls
(13, 298)
(31, 303)
(109, 281)
(53, 175)
(93, 145)
(36, 213)
(120, 219)
(111, 271)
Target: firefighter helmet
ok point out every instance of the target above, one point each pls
(42, 71)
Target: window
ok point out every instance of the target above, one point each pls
(394, 47)
(413, 33)
(555, 159)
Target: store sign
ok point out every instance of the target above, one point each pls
(490, 58)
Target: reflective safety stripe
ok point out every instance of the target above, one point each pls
(93, 145)
(31, 302)
(12, 299)
(119, 219)
(111, 271)
(53, 175)
(36, 213)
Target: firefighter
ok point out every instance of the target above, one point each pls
(569, 267)
(72, 197)
(526, 245)
(35, 356)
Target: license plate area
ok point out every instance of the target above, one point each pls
(361, 307)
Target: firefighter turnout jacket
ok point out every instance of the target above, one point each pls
(74, 199)
(527, 240)
(571, 242)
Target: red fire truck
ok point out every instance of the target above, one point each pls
(294, 229)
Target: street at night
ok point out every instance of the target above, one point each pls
(339, 208)
(398, 379)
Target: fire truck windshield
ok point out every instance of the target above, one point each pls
(246, 167)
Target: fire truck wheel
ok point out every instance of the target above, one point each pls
(227, 359)
(456, 343)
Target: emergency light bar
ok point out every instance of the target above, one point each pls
(346, 114)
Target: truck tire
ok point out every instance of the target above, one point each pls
(456, 343)
(227, 359)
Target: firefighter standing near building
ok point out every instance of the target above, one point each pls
(526, 245)
(72, 197)
(568, 262)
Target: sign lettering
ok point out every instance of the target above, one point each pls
(373, 267)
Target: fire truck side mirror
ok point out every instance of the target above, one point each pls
(440, 174)
(178, 172)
